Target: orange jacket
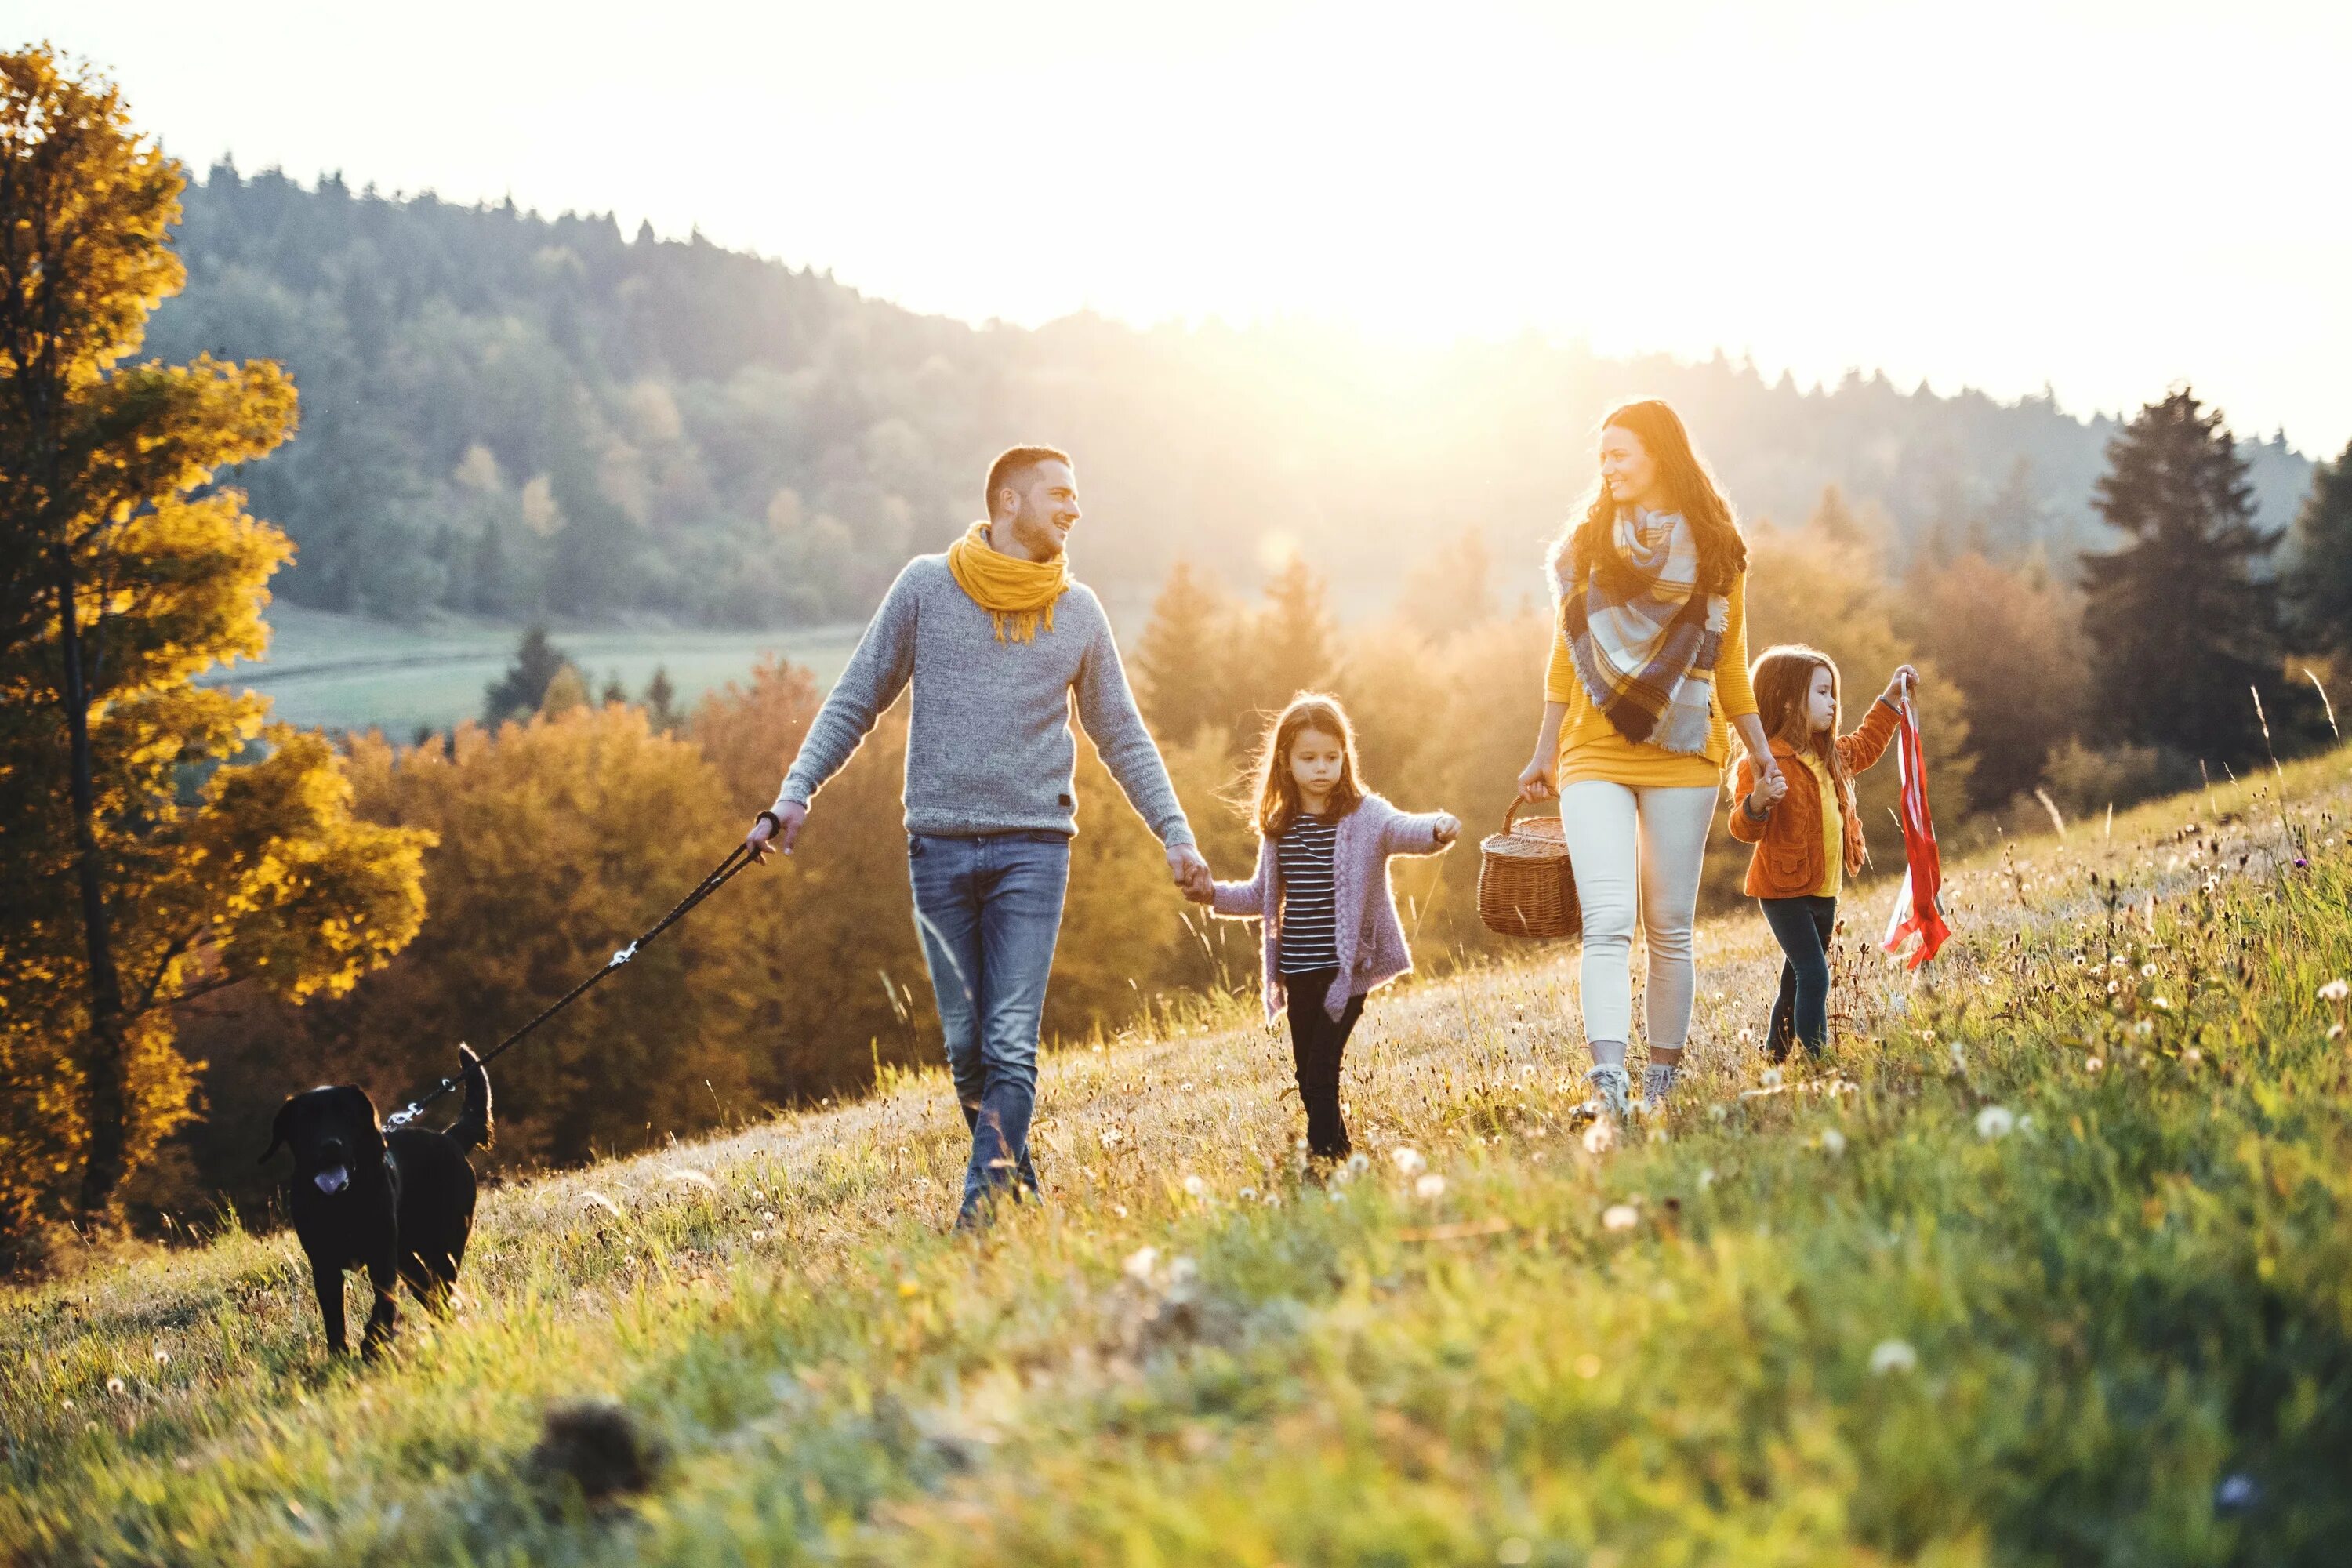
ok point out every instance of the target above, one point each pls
(1787, 860)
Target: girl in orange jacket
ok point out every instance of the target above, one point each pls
(1804, 825)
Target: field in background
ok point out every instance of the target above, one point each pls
(2047, 1265)
(351, 673)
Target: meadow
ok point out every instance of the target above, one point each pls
(351, 673)
(2047, 1263)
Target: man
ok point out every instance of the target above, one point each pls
(994, 636)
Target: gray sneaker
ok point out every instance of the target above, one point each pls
(1613, 1089)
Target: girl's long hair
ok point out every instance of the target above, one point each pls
(1276, 792)
(1722, 553)
(1783, 678)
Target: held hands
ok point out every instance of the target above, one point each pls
(776, 831)
(1904, 681)
(1768, 792)
(1191, 873)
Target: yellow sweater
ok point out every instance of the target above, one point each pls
(1590, 747)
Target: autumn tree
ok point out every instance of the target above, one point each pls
(2320, 584)
(2179, 626)
(2010, 639)
(158, 839)
(1294, 645)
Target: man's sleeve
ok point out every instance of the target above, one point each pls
(1106, 709)
(876, 673)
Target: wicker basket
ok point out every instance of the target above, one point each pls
(1525, 885)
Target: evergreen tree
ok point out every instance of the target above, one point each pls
(1295, 643)
(662, 710)
(2179, 628)
(613, 692)
(1451, 590)
(2320, 584)
(1179, 662)
(524, 686)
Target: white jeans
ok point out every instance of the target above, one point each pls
(1637, 849)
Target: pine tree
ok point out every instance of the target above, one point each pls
(524, 688)
(662, 710)
(613, 691)
(2180, 629)
(1181, 659)
(1295, 643)
(2320, 584)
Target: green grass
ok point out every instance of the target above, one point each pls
(351, 673)
(1844, 1323)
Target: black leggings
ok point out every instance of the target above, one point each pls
(1803, 926)
(1317, 1044)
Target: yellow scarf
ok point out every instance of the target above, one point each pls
(1011, 588)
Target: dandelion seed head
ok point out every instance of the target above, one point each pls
(1195, 1187)
(1183, 1271)
(1601, 1137)
(1893, 1356)
(163, 1358)
(114, 1386)
(1408, 1160)
(1358, 1163)
(2148, 971)
(1996, 1121)
(2336, 991)
(1771, 1078)
(1833, 1141)
(1141, 1263)
(2335, 1031)
(1620, 1216)
(1705, 1177)
(1432, 1185)
(2092, 1064)
(1746, 1036)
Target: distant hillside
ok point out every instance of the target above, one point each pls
(510, 414)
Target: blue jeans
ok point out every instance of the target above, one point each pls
(1803, 926)
(988, 910)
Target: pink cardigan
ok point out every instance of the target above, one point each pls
(1371, 941)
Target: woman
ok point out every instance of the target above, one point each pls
(1649, 671)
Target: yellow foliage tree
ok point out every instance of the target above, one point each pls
(137, 871)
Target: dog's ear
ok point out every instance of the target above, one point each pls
(362, 1109)
(280, 1131)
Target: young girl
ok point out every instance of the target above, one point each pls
(1331, 933)
(1803, 822)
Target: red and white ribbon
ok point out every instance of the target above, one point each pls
(1918, 905)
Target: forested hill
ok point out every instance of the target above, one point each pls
(514, 416)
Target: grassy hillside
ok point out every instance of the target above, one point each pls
(2051, 1268)
(344, 672)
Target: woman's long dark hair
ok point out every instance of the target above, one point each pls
(1722, 553)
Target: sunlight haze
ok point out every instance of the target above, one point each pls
(2105, 198)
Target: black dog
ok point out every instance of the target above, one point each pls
(399, 1205)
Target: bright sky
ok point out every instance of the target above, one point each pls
(2105, 197)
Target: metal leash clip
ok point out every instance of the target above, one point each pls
(416, 1107)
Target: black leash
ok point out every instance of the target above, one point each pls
(737, 859)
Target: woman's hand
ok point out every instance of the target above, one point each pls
(1447, 827)
(1906, 679)
(1539, 780)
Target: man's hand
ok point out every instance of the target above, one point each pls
(1448, 827)
(1191, 873)
(776, 831)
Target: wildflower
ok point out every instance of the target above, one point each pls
(1358, 1163)
(2092, 1064)
(1893, 1356)
(2335, 1031)
(1746, 1036)
(2114, 986)
(1248, 1193)
(2161, 1004)
(1705, 1177)
(758, 1236)
(114, 1386)
(1960, 1060)
(2336, 991)
(2192, 1056)
(1620, 1216)
(1432, 1185)
(1601, 1137)
(1195, 1188)
(1408, 1161)
(2148, 971)
(163, 1358)
(1771, 1078)
(1833, 1141)
(1996, 1121)
(1120, 1209)
(1141, 1263)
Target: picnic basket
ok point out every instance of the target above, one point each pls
(1525, 885)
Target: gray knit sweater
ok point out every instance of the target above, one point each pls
(989, 748)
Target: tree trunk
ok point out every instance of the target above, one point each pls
(105, 1098)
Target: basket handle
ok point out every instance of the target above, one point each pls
(1511, 813)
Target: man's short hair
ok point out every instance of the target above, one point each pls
(1011, 465)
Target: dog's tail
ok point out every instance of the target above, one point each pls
(472, 1127)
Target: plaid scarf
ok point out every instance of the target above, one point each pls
(1643, 638)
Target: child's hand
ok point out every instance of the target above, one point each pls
(1447, 829)
(1904, 680)
(1768, 791)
